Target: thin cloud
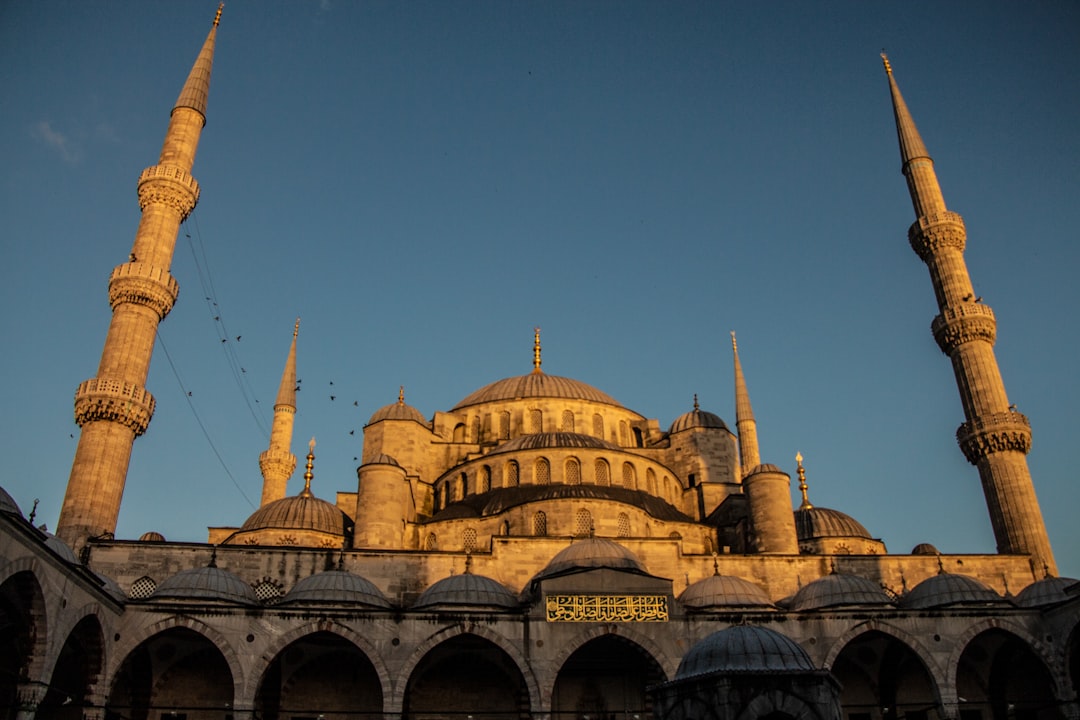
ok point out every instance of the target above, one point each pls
(57, 140)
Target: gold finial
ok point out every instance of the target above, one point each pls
(217, 17)
(468, 563)
(888, 65)
(536, 349)
(802, 483)
(734, 345)
(401, 395)
(696, 406)
(296, 328)
(715, 566)
(308, 475)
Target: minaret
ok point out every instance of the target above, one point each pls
(744, 417)
(277, 462)
(994, 437)
(114, 408)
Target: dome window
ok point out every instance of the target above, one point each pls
(540, 523)
(573, 472)
(542, 471)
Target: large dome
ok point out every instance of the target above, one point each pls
(338, 587)
(397, 411)
(697, 418)
(300, 512)
(499, 500)
(467, 590)
(206, 583)
(744, 649)
(546, 440)
(818, 522)
(536, 385)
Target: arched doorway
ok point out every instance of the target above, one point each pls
(177, 674)
(22, 625)
(321, 675)
(466, 677)
(77, 670)
(605, 678)
(999, 677)
(882, 678)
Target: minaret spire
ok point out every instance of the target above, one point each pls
(994, 437)
(114, 408)
(277, 463)
(744, 417)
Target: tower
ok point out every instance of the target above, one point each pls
(745, 424)
(114, 408)
(994, 436)
(277, 462)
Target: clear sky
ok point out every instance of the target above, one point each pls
(424, 182)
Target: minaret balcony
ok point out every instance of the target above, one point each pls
(168, 185)
(964, 323)
(114, 401)
(143, 284)
(933, 232)
(984, 435)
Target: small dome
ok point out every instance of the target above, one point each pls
(744, 649)
(947, 589)
(765, 468)
(300, 512)
(835, 590)
(925, 549)
(61, 548)
(8, 504)
(111, 587)
(697, 419)
(1048, 591)
(540, 441)
(397, 411)
(338, 587)
(536, 385)
(818, 522)
(151, 536)
(724, 591)
(467, 590)
(206, 583)
(592, 553)
(382, 459)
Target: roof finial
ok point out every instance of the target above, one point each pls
(296, 328)
(468, 563)
(940, 566)
(308, 475)
(536, 349)
(802, 483)
(401, 395)
(217, 17)
(734, 345)
(696, 406)
(213, 557)
(885, 60)
(715, 566)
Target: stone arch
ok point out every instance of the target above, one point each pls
(78, 664)
(963, 640)
(396, 701)
(917, 646)
(777, 703)
(128, 645)
(21, 593)
(246, 696)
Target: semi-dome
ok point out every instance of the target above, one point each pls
(947, 589)
(589, 554)
(744, 649)
(466, 590)
(337, 587)
(206, 583)
(499, 500)
(299, 512)
(836, 590)
(397, 411)
(820, 522)
(1048, 591)
(8, 504)
(724, 591)
(536, 385)
(697, 418)
(547, 440)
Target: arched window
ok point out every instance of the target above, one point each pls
(435, 501)
(464, 485)
(268, 592)
(624, 525)
(650, 481)
(513, 476)
(639, 439)
(667, 488)
(568, 421)
(603, 472)
(476, 429)
(573, 471)
(542, 472)
(468, 539)
(485, 478)
(536, 421)
(583, 526)
(540, 523)
(446, 493)
(598, 425)
(142, 588)
(459, 433)
(629, 477)
(504, 425)
(624, 433)
(431, 543)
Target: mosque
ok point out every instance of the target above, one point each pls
(537, 551)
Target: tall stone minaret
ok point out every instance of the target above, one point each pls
(994, 437)
(114, 408)
(745, 424)
(277, 463)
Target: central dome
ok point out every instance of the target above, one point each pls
(536, 384)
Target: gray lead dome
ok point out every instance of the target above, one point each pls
(744, 649)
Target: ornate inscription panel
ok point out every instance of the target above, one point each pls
(606, 608)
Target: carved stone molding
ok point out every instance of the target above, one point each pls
(931, 233)
(115, 401)
(994, 433)
(964, 323)
(168, 185)
(277, 463)
(143, 284)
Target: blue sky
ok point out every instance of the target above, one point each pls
(424, 182)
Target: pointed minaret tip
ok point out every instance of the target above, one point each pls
(885, 61)
(296, 328)
(217, 16)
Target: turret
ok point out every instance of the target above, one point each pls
(772, 522)
(994, 436)
(114, 408)
(277, 463)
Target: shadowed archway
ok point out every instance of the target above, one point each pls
(606, 676)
